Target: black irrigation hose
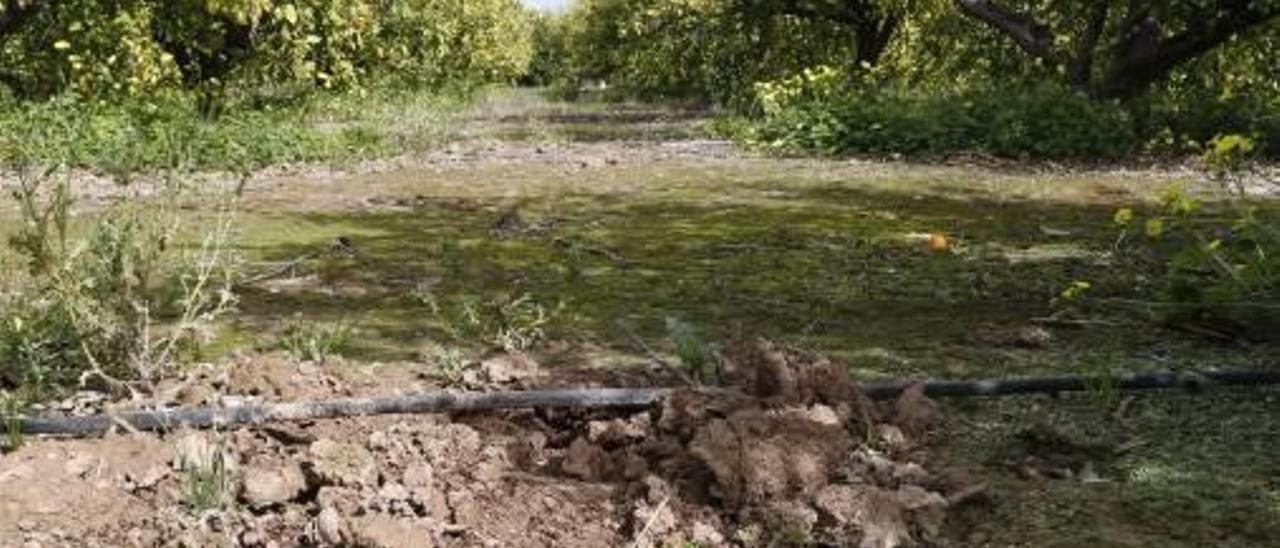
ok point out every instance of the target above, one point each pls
(1077, 383)
(626, 398)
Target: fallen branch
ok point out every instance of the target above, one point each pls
(621, 398)
(339, 245)
(653, 356)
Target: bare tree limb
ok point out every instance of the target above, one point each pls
(1138, 65)
(1030, 35)
(872, 26)
(1080, 73)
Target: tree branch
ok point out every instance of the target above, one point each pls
(1138, 65)
(15, 12)
(872, 29)
(1080, 71)
(1030, 35)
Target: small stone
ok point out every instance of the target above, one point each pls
(419, 474)
(911, 473)
(251, 538)
(823, 414)
(840, 503)
(583, 460)
(147, 479)
(393, 492)
(705, 535)
(508, 368)
(265, 486)
(79, 466)
(383, 531)
(329, 526)
(343, 463)
(1034, 337)
(892, 437)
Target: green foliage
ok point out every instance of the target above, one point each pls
(449, 362)
(547, 64)
(696, 356)
(97, 48)
(822, 110)
(10, 408)
(205, 480)
(168, 132)
(512, 324)
(691, 49)
(1221, 258)
(84, 307)
(315, 342)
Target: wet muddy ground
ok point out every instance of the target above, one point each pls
(626, 217)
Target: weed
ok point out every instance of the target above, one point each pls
(206, 480)
(449, 362)
(696, 356)
(1103, 389)
(316, 342)
(10, 409)
(88, 308)
(502, 322)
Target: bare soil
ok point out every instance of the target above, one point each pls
(792, 454)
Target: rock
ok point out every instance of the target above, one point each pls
(392, 492)
(507, 368)
(80, 465)
(840, 504)
(910, 473)
(791, 516)
(383, 531)
(270, 485)
(337, 463)
(915, 413)
(419, 474)
(252, 538)
(652, 524)
(147, 479)
(1034, 337)
(616, 432)
(583, 460)
(329, 526)
(893, 438)
(823, 414)
(703, 534)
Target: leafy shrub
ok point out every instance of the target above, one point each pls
(90, 307)
(168, 131)
(822, 110)
(1222, 257)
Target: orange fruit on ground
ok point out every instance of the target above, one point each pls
(938, 243)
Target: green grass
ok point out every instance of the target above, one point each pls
(171, 131)
(822, 254)
(1200, 470)
(823, 264)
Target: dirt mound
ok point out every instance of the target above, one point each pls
(796, 454)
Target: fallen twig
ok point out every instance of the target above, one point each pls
(653, 517)
(339, 245)
(653, 356)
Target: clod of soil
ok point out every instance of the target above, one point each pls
(793, 452)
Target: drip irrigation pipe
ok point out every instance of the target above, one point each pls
(624, 398)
